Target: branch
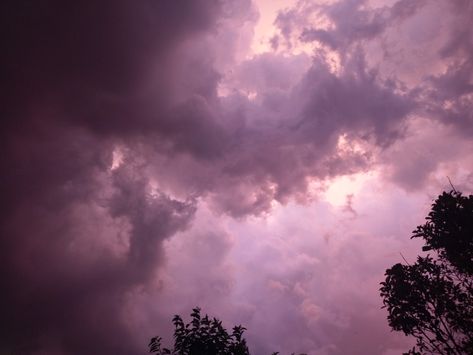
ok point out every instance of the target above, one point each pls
(453, 187)
(404, 259)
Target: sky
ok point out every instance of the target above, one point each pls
(264, 160)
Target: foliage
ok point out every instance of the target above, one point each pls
(202, 336)
(432, 299)
(449, 230)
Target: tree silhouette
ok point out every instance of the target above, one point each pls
(202, 336)
(432, 299)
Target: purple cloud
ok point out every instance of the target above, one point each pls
(144, 149)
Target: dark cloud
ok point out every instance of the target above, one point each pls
(270, 152)
(122, 119)
(71, 250)
(77, 236)
(103, 42)
(353, 100)
(451, 92)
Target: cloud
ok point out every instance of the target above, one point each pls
(292, 286)
(78, 236)
(70, 255)
(129, 128)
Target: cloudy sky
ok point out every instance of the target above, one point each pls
(265, 160)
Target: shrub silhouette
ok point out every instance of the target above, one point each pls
(202, 336)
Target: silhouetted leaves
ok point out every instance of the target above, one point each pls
(449, 230)
(202, 336)
(432, 299)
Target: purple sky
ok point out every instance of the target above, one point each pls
(263, 160)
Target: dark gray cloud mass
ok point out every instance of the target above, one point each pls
(114, 130)
(76, 236)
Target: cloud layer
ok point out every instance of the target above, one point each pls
(151, 162)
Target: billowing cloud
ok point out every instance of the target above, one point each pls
(152, 162)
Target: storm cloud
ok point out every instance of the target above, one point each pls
(145, 148)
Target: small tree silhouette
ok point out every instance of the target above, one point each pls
(202, 336)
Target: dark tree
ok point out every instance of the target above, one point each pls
(432, 299)
(202, 336)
